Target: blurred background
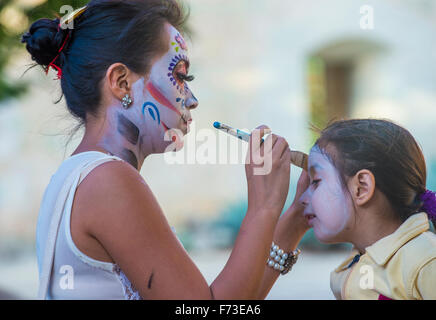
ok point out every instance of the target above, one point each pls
(282, 63)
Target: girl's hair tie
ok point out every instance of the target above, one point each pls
(429, 203)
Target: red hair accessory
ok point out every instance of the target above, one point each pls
(69, 18)
(52, 63)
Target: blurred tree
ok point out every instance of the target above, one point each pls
(16, 17)
(317, 95)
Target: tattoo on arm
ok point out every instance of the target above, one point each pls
(150, 280)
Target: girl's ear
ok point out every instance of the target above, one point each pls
(362, 187)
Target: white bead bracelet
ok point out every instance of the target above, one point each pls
(281, 261)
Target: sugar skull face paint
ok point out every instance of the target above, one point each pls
(165, 99)
(161, 105)
(167, 88)
(327, 205)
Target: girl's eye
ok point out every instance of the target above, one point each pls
(315, 182)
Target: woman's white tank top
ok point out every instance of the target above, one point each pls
(64, 271)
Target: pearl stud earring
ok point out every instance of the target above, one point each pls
(126, 101)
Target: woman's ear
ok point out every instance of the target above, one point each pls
(120, 80)
(362, 187)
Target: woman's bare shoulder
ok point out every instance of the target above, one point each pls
(113, 174)
(112, 186)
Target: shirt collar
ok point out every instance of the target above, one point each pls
(382, 250)
(344, 265)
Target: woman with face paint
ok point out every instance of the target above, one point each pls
(101, 234)
(368, 188)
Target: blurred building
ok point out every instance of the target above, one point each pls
(281, 63)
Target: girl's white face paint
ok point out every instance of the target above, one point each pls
(326, 199)
(166, 99)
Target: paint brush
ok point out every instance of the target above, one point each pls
(297, 158)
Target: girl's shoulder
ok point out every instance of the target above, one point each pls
(423, 245)
(420, 255)
(422, 248)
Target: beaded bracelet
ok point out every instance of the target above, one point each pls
(281, 261)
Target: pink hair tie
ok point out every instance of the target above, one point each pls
(429, 203)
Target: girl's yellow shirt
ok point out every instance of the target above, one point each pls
(401, 265)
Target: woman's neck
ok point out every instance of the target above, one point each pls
(115, 134)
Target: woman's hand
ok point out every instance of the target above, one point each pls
(267, 169)
(294, 214)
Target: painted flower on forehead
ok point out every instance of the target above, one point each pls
(181, 42)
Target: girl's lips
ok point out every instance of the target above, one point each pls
(309, 217)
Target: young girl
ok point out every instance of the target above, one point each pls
(368, 187)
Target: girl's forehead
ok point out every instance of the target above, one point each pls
(319, 159)
(317, 154)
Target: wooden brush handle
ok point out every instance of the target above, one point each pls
(299, 159)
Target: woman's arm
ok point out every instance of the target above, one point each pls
(241, 278)
(242, 274)
(289, 231)
(126, 219)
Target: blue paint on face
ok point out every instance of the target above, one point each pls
(151, 114)
(182, 102)
(152, 110)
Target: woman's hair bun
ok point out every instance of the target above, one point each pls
(43, 40)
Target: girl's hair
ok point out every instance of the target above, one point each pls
(108, 31)
(389, 151)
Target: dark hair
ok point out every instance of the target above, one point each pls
(108, 31)
(388, 150)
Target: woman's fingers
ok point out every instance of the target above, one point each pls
(256, 146)
(271, 150)
(267, 177)
(286, 155)
(257, 135)
(279, 148)
(268, 144)
(303, 182)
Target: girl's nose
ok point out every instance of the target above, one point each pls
(304, 199)
(191, 103)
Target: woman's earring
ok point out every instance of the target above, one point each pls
(126, 101)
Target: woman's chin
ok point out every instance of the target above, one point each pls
(176, 144)
(179, 145)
